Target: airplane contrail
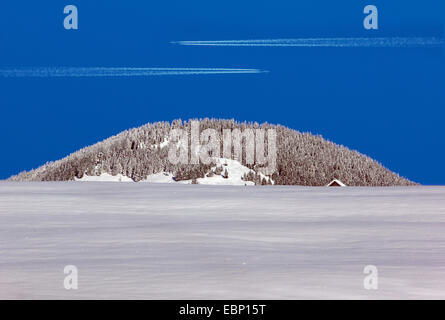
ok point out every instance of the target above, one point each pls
(324, 42)
(46, 72)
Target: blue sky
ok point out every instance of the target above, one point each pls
(385, 102)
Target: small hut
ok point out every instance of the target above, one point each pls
(335, 183)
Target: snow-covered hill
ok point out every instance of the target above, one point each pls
(141, 154)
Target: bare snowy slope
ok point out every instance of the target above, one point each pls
(165, 241)
(233, 174)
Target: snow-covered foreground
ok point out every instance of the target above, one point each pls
(165, 241)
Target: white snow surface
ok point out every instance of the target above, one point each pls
(161, 177)
(104, 177)
(235, 172)
(341, 184)
(173, 241)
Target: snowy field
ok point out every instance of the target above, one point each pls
(173, 241)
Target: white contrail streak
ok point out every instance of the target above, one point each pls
(45, 72)
(325, 42)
